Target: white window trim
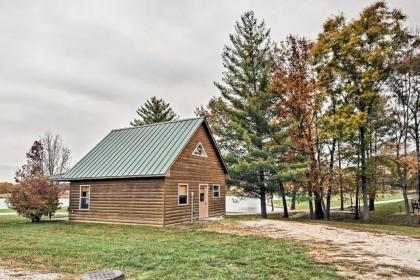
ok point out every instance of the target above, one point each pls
(188, 196)
(212, 190)
(80, 198)
(202, 146)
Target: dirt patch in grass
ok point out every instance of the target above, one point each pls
(356, 254)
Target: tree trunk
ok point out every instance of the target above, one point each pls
(283, 198)
(272, 202)
(417, 140)
(401, 171)
(35, 219)
(311, 207)
(263, 198)
(331, 179)
(362, 131)
(339, 177)
(327, 213)
(356, 203)
(263, 203)
(406, 205)
(319, 214)
(371, 204)
(405, 185)
(293, 203)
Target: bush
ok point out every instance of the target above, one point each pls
(35, 197)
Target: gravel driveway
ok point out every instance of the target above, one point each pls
(356, 254)
(13, 274)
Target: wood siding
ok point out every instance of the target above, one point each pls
(137, 201)
(194, 170)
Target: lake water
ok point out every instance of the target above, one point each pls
(233, 204)
(242, 205)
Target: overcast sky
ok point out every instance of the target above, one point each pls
(81, 68)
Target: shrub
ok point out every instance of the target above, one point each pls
(34, 197)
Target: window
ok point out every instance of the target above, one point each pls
(182, 194)
(216, 191)
(84, 197)
(199, 151)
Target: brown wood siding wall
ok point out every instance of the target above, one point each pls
(137, 201)
(194, 170)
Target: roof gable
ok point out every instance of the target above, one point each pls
(145, 151)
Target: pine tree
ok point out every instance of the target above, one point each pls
(255, 141)
(245, 89)
(154, 111)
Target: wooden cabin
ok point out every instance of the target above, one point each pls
(157, 174)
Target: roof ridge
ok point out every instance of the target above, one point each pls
(153, 124)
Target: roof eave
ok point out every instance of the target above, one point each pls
(108, 178)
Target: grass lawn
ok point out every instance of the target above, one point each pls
(335, 200)
(178, 252)
(59, 211)
(389, 217)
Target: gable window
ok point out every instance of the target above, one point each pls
(199, 151)
(183, 194)
(84, 197)
(216, 191)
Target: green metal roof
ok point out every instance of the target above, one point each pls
(144, 151)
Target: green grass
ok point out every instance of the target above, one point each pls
(59, 211)
(335, 200)
(389, 218)
(180, 252)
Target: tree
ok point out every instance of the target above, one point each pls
(293, 81)
(358, 55)
(34, 195)
(255, 141)
(55, 156)
(34, 163)
(404, 104)
(404, 83)
(246, 93)
(154, 111)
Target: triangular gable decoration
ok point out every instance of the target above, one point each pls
(199, 151)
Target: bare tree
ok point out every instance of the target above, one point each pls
(56, 157)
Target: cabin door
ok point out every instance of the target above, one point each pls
(203, 206)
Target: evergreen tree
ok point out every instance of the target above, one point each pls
(257, 142)
(154, 111)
